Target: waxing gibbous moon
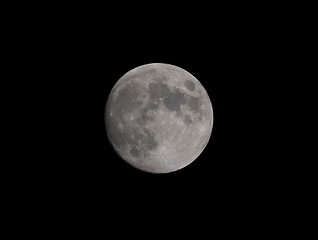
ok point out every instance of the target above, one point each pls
(158, 118)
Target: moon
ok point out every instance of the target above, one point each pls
(158, 118)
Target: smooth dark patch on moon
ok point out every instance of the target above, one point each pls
(189, 85)
(127, 98)
(158, 90)
(187, 120)
(135, 152)
(173, 101)
(195, 104)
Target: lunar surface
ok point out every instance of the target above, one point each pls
(158, 118)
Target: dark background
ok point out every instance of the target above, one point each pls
(86, 69)
(72, 61)
(83, 60)
(65, 61)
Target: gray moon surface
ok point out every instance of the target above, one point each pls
(158, 118)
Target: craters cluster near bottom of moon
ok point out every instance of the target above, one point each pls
(155, 115)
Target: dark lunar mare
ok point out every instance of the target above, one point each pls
(187, 120)
(195, 105)
(158, 90)
(173, 99)
(189, 85)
